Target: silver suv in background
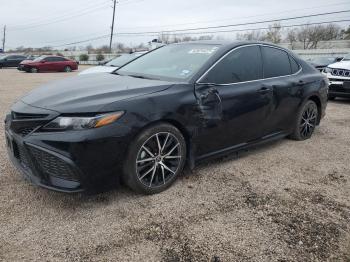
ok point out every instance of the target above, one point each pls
(339, 78)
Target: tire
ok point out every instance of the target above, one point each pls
(67, 69)
(0, 66)
(148, 171)
(306, 121)
(34, 70)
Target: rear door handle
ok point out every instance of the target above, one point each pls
(300, 83)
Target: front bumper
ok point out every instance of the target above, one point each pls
(338, 86)
(72, 161)
(50, 171)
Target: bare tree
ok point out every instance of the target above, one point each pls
(255, 35)
(89, 48)
(274, 34)
(206, 37)
(310, 36)
(292, 38)
(345, 33)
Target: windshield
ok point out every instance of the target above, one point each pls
(347, 58)
(38, 59)
(121, 60)
(323, 60)
(178, 61)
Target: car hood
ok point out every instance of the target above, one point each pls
(26, 62)
(89, 93)
(98, 69)
(341, 65)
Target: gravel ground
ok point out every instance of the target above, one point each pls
(286, 201)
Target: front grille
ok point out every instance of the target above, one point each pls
(339, 80)
(25, 130)
(52, 165)
(20, 153)
(340, 72)
(22, 116)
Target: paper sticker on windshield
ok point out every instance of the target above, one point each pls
(185, 72)
(203, 50)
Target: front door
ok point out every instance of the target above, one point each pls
(233, 102)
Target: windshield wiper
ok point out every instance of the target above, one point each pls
(142, 77)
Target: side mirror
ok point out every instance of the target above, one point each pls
(42, 61)
(338, 59)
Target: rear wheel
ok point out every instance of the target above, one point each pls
(34, 70)
(155, 159)
(306, 121)
(67, 69)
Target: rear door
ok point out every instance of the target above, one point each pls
(233, 100)
(281, 73)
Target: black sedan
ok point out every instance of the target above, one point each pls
(175, 106)
(11, 60)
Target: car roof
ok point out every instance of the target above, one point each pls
(230, 44)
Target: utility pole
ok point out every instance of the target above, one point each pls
(112, 27)
(4, 39)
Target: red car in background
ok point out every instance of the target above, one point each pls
(47, 64)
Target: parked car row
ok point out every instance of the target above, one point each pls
(48, 63)
(11, 60)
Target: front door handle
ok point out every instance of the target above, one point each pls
(264, 90)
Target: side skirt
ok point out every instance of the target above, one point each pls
(236, 148)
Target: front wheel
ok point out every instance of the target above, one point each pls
(306, 121)
(34, 70)
(155, 159)
(67, 69)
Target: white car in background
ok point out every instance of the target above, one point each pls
(113, 64)
(339, 78)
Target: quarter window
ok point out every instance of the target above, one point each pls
(243, 64)
(294, 65)
(276, 62)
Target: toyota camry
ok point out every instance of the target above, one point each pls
(173, 107)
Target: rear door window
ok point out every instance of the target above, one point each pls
(276, 62)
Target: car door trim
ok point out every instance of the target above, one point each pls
(234, 49)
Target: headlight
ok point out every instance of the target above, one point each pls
(327, 70)
(64, 123)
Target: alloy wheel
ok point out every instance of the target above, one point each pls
(158, 159)
(308, 120)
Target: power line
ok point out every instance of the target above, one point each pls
(36, 21)
(265, 28)
(242, 24)
(87, 11)
(239, 18)
(212, 32)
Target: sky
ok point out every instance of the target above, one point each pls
(38, 23)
